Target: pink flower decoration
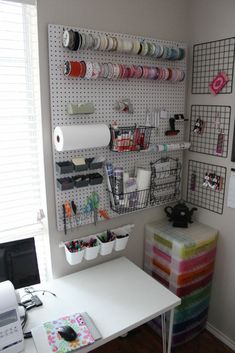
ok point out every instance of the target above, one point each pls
(51, 339)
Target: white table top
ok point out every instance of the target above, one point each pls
(117, 295)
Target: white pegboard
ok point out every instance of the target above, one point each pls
(104, 93)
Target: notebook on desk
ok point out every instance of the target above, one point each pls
(47, 340)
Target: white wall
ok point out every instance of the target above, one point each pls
(163, 19)
(211, 20)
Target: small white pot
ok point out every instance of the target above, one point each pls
(91, 253)
(120, 243)
(106, 248)
(73, 258)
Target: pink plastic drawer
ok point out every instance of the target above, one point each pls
(188, 265)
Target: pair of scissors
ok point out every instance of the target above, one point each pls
(92, 205)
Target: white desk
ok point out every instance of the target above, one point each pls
(117, 294)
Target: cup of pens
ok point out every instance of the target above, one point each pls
(107, 240)
(92, 247)
(74, 251)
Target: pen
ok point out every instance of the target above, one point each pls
(64, 219)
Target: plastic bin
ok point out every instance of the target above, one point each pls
(64, 167)
(121, 243)
(190, 288)
(122, 236)
(91, 252)
(93, 165)
(182, 243)
(95, 179)
(106, 247)
(80, 167)
(81, 181)
(73, 258)
(65, 183)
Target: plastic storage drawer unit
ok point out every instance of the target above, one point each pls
(182, 259)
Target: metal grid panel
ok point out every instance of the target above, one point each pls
(216, 120)
(204, 196)
(208, 60)
(104, 94)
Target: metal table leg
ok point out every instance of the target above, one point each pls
(170, 330)
(163, 320)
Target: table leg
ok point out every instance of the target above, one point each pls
(163, 320)
(170, 330)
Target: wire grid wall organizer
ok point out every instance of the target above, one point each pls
(216, 126)
(206, 185)
(104, 94)
(209, 59)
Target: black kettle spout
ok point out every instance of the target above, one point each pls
(191, 214)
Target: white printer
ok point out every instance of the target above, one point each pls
(11, 334)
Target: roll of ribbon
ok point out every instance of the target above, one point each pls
(72, 68)
(75, 137)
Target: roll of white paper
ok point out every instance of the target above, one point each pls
(143, 179)
(76, 137)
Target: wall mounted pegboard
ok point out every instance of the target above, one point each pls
(209, 129)
(209, 59)
(104, 94)
(206, 185)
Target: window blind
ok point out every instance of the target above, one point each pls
(21, 177)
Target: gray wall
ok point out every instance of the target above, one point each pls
(211, 20)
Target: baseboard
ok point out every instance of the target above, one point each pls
(226, 340)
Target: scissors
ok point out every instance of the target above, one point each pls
(92, 205)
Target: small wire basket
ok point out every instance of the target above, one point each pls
(130, 138)
(165, 181)
(129, 201)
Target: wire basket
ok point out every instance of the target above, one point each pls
(130, 138)
(129, 201)
(165, 181)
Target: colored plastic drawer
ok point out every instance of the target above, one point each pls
(180, 290)
(195, 296)
(178, 265)
(187, 265)
(185, 252)
(187, 336)
(190, 323)
(183, 315)
(181, 280)
(186, 290)
(182, 242)
(189, 277)
(177, 277)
